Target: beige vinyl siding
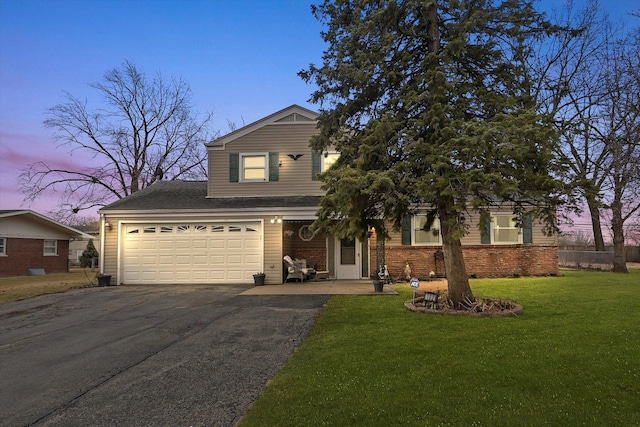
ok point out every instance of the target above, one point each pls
(110, 252)
(294, 175)
(272, 252)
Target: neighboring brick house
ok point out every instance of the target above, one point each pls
(30, 241)
(261, 196)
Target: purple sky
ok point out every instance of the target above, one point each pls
(240, 58)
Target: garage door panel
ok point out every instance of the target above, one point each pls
(166, 276)
(149, 275)
(191, 253)
(149, 244)
(217, 260)
(235, 244)
(235, 275)
(148, 260)
(199, 275)
(182, 276)
(132, 244)
(165, 244)
(235, 260)
(200, 260)
(217, 276)
(182, 260)
(251, 259)
(165, 259)
(252, 244)
(183, 244)
(200, 243)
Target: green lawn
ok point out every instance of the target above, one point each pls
(572, 358)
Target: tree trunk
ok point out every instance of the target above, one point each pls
(619, 256)
(457, 278)
(596, 225)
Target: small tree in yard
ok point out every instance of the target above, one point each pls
(429, 104)
(88, 255)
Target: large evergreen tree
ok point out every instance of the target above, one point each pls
(429, 104)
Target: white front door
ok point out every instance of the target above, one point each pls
(348, 260)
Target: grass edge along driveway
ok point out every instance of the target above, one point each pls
(572, 358)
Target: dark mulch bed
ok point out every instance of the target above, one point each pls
(482, 307)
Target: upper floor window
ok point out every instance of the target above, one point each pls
(328, 159)
(424, 236)
(504, 229)
(254, 167)
(50, 247)
(3, 245)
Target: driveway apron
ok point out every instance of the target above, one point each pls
(145, 355)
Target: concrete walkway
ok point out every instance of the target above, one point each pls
(338, 287)
(322, 287)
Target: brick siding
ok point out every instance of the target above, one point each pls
(23, 254)
(480, 260)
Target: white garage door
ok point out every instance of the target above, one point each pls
(191, 253)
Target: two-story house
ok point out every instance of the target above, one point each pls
(260, 198)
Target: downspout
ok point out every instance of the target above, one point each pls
(102, 237)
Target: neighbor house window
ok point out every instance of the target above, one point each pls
(3, 245)
(504, 229)
(328, 159)
(50, 247)
(424, 236)
(254, 167)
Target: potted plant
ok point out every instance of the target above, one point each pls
(103, 279)
(378, 285)
(258, 279)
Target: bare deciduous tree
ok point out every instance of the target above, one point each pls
(570, 91)
(144, 130)
(590, 84)
(618, 129)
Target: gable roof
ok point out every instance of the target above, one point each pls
(41, 219)
(180, 196)
(293, 113)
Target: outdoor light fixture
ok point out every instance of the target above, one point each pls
(107, 226)
(295, 156)
(276, 220)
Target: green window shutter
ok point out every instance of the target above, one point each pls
(315, 165)
(406, 230)
(527, 228)
(234, 167)
(485, 234)
(274, 166)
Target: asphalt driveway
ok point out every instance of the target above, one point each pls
(145, 355)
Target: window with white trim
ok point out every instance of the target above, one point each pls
(3, 245)
(50, 247)
(504, 229)
(424, 237)
(328, 159)
(254, 167)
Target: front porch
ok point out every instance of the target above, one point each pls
(343, 259)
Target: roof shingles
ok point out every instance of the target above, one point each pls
(190, 195)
